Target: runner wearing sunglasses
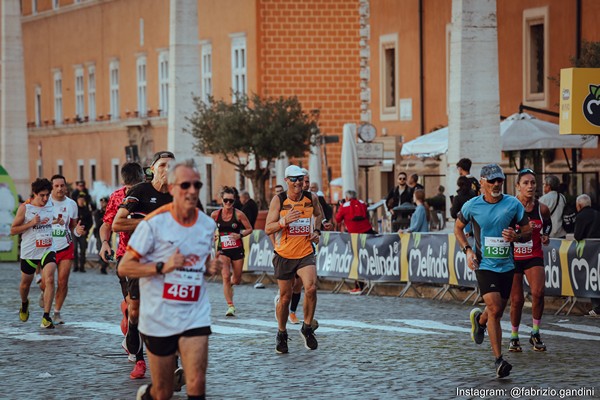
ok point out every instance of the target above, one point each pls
(232, 226)
(529, 260)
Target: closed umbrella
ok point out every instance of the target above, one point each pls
(349, 159)
(314, 165)
(280, 165)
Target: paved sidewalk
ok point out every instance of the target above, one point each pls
(369, 348)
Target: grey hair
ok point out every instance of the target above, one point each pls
(244, 193)
(552, 181)
(584, 200)
(351, 194)
(189, 163)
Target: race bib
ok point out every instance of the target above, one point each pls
(182, 286)
(496, 247)
(299, 227)
(43, 239)
(59, 230)
(228, 242)
(523, 249)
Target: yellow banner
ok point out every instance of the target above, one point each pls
(580, 101)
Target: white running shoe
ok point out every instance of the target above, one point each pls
(41, 299)
(141, 392)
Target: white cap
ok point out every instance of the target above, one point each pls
(294, 170)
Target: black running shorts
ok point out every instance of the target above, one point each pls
(233, 254)
(28, 267)
(167, 346)
(285, 269)
(490, 281)
(522, 265)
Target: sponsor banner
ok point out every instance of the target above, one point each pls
(552, 269)
(335, 255)
(428, 258)
(583, 267)
(460, 273)
(9, 203)
(259, 252)
(379, 257)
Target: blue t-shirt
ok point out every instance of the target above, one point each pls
(489, 220)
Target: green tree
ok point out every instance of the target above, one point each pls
(252, 133)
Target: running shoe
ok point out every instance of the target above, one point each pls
(310, 341)
(38, 279)
(47, 323)
(515, 346)
(314, 324)
(357, 291)
(141, 392)
(281, 342)
(41, 299)
(477, 331)
(536, 341)
(293, 319)
(178, 379)
(57, 319)
(503, 368)
(24, 312)
(139, 371)
(230, 311)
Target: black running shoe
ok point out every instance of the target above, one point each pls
(310, 341)
(477, 330)
(502, 368)
(536, 341)
(515, 346)
(281, 340)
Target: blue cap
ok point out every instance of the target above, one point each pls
(492, 171)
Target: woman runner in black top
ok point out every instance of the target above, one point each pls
(232, 226)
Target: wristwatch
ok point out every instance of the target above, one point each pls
(467, 247)
(159, 267)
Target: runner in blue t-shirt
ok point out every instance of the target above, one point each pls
(494, 217)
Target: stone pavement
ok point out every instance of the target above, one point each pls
(369, 348)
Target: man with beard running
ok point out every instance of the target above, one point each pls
(140, 201)
(494, 217)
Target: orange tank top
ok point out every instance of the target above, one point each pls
(293, 241)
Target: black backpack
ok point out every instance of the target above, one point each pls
(568, 215)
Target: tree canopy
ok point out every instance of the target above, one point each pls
(253, 132)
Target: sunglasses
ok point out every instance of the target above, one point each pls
(401, 179)
(187, 185)
(230, 201)
(495, 180)
(526, 171)
(295, 179)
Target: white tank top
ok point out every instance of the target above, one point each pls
(37, 240)
(61, 234)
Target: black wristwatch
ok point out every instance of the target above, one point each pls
(467, 247)
(159, 267)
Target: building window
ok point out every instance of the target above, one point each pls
(115, 171)
(535, 56)
(114, 89)
(80, 170)
(58, 105)
(388, 58)
(34, 7)
(39, 169)
(206, 69)
(79, 94)
(38, 106)
(238, 65)
(163, 83)
(92, 92)
(55, 4)
(59, 165)
(92, 170)
(141, 86)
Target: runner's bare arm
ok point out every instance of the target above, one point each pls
(19, 226)
(272, 224)
(123, 224)
(244, 219)
(546, 224)
(131, 266)
(105, 232)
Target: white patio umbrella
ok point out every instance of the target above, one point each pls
(349, 159)
(520, 131)
(280, 165)
(315, 171)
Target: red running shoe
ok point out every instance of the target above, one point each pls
(139, 371)
(125, 320)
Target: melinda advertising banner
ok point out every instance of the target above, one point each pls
(335, 256)
(379, 257)
(428, 258)
(259, 252)
(582, 267)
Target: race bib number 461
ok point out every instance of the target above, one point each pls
(179, 292)
(496, 247)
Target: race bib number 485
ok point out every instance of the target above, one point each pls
(496, 247)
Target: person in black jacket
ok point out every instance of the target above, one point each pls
(398, 195)
(249, 207)
(587, 226)
(463, 194)
(85, 219)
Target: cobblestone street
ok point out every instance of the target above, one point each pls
(369, 348)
